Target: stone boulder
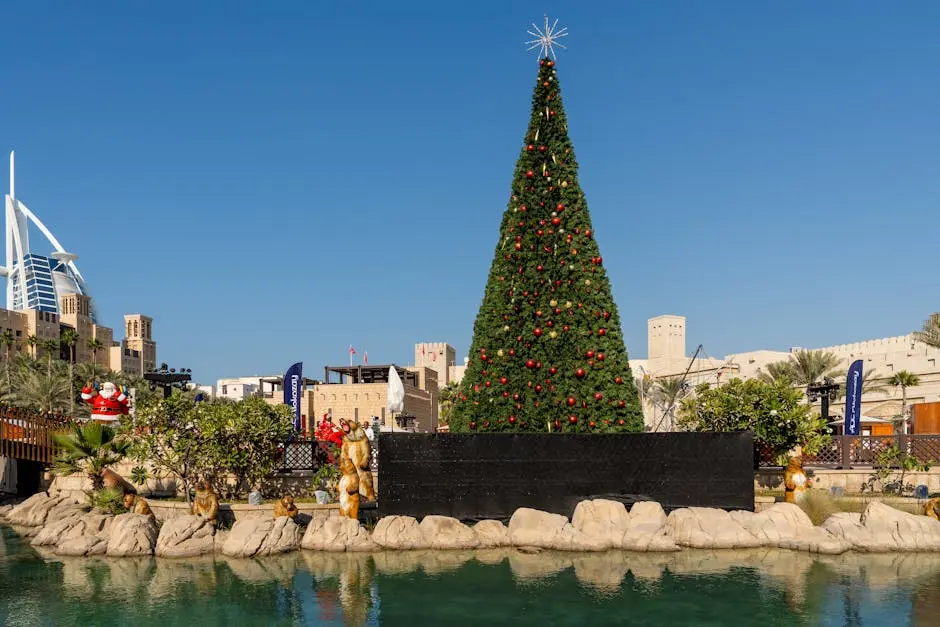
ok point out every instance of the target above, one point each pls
(82, 545)
(4, 510)
(185, 536)
(70, 527)
(646, 529)
(88, 536)
(443, 532)
(491, 534)
(603, 520)
(132, 535)
(259, 536)
(882, 528)
(398, 532)
(708, 528)
(41, 508)
(786, 526)
(534, 528)
(337, 533)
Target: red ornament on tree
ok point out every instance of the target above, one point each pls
(598, 396)
(529, 174)
(542, 148)
(618, 380)
(592, 424)
(621, 404)
(537, 332)
(503, 380)
(560, 207)
(572, 419)
(473, 425)
(579, 373)
(571, 401)
(600, 356)
(512, 420)
(590, 354)
(552, 370)
(530, 147)
(530, 364)
(602, 332)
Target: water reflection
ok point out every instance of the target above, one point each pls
(471, 587)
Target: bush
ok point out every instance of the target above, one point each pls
(108, 500)
(818, 505)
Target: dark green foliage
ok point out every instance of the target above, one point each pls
(547, 310)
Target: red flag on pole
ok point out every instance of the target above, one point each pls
(352, 351)
(365, 358)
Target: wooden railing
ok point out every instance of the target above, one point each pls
(28, 435)
(854, 451)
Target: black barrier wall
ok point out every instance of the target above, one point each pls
(490, 475)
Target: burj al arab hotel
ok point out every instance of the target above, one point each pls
(36, 281)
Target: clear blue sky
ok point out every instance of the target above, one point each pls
(768, 169)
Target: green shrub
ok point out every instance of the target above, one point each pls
(108, 500)
(818, 505)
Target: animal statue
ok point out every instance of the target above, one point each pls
(348, 489)
(795, 481)
(356, 448)
(932, 508)
(137, 505)
(285, 507)
(206, 503)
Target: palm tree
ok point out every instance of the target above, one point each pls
(42, 390)
(904, 379)
(811, 367)
(446, 399)
(7, 339)
(666, 393)
(51, 347)
(90, 449)
(930, 334)
(95, 345)
(777, 371)
(69, 339)
(32, 341)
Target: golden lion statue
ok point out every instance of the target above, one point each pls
(285, 507)
(206, 503)
(348, 489)
(137, 505)
(932, 508)
(795, 481)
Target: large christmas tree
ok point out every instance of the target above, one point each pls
(547, 351)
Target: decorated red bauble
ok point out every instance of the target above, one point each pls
(621, 404)
(529, 384)
(463, 397)
(602, 332)
(592, 424)
(587, 233)
(560, 207)
(606, 315)
(503, 380)
(537, 331)
(572, 419)
(551, 113)
(549, 323)
(590, 354)
(545, 84)
(538, 365)
(512, 420)
(571, 401)
(542, 149)
(557, 311)
(487, 383)
(598, 396)
(557, 425)
(621, 422)
(579, 373)
(530, 147)
(476, 388)
(546, 174)
(550, 63)
(505, 394)
(539, 268)
(590, 362)
(600, 261)
(566, 328)
(556, 221)
(538, 387)
(540, 232)
(600, 356)
(552, 370)
(483, 357)
(515, 397)
(529, 174)
(618, 380)
(512, 352)
(518, 246)
(542, 62)
(530, 364)
(473, 425)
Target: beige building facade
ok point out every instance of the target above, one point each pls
(668, 358)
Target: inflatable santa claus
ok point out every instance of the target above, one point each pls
(108, 403)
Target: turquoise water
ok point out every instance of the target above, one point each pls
(755, 587)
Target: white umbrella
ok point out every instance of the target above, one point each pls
(396, 392)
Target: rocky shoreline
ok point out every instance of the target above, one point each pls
(63, 526)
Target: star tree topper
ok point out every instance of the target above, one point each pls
(546, 40)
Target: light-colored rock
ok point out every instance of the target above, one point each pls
(82, 545)
(602, 520)
(4, 510)
(337, 534)
(882, 528)
(398, 532)
(786, 526)
(185, 536)
(262, 536)
(531, 527)
(52, 533)
(443, 532)
(132, 535)
(646, 529)
(41, 508)
(708, 528)
(491, 534)
(218, 541)
(534, 528)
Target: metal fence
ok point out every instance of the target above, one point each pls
(849, 451)
(306, 455)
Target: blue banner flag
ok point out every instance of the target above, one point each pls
(853, 399)
(293, 390)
